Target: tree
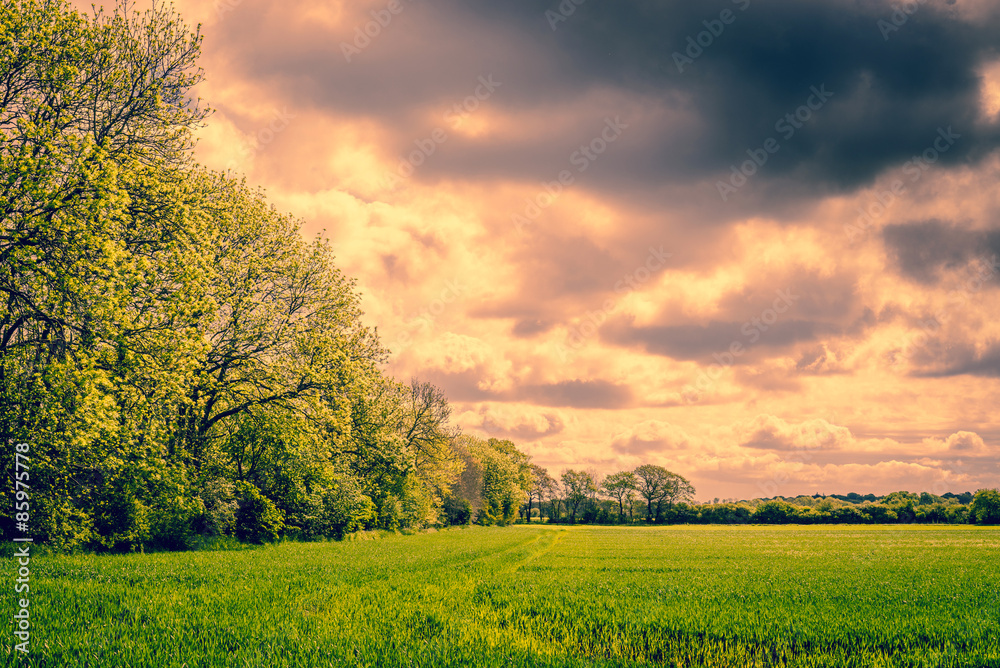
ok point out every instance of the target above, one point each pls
(539, 483)
(985, 507)
(99, 258)
(678, 490)
(497, 473)
(621, 487)
(653, 485)
(579, 485)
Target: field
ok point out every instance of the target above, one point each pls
(534, 596)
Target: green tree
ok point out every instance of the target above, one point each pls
(985, 508)
(657, 485)
(99, 270)
(621, 487)
(539, 481)
(579, 486)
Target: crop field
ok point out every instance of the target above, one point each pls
(534, 596)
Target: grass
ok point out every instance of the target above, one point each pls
(534, 596)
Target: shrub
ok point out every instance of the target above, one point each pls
(345, 509)
(775, 512)
(218, 498)
(458, 510)
(258, 520)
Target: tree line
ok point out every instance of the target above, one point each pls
(615, 501)
(180, 364)
(176, 359)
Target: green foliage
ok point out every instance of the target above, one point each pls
(345, 509)
(622, 488)
(775, 512)
(579, 486)
(658, 486)
(182, 362)
(457, 510)
(257, 518)
(496, 480)
(985, 507)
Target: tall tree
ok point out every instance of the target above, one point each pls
(540, 483)
(679, 489)
(99, 265)
(621, 487)
(579, 485)
(652, 485)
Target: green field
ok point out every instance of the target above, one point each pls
(535, 596)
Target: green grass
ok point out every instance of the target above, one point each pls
(534, 596)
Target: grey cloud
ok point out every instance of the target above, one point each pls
(924, 250)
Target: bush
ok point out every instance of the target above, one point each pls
(258, 520)
(218, 498)
(878, 513)
(389, 513)
(775, 512)
(172, 522)
(345, 510)
(458, 510)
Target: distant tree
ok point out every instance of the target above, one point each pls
(879, 513)
(775, 512)
(579, 485)
(678, 490)
(985, 507)
(651, 483)
(926, 498)
(657, 486)
(539, 482)
(621, 487)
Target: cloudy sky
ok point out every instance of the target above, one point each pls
(754, 241)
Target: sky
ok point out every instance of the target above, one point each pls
(752, 241)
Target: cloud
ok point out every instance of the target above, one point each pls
(522, 422)
(650, 436)
(966, 443)
(767, 432)
(578, 394)
(940, 358)
(488, 312)
(924, 250)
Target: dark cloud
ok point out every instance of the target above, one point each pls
(528, 328)
(924, 251)
(939, 359)
(578, 394)
(701, 342)
(889, 96)
(527, 430)
(465, 386)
